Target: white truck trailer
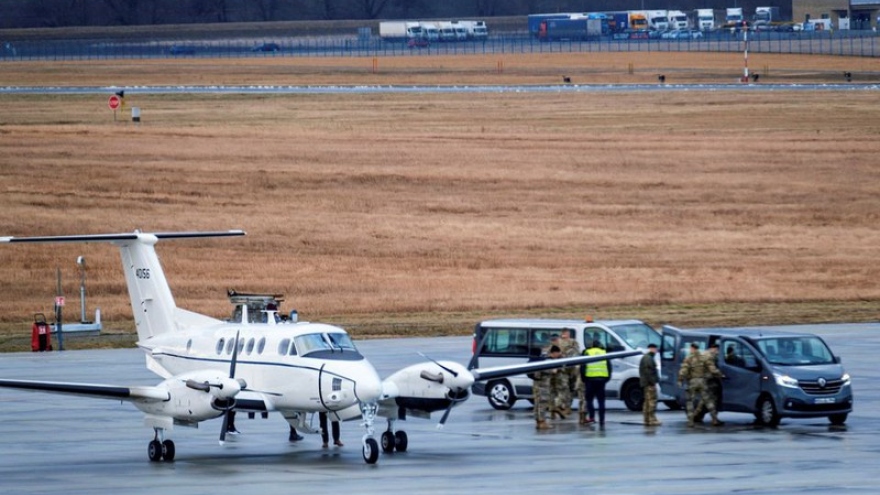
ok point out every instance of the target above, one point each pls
(399, 30)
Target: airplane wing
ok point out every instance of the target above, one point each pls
(93, 390)
(520, 369)
(423, 388)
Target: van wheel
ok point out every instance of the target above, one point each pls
(633, 395)
(837, 419)
(767, 414)
(500, 395)
(672, 405)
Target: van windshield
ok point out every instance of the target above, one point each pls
(637, 335)
(795, 351)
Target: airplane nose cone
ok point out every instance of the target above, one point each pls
(369, 386)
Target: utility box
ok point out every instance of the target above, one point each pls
(41, 334)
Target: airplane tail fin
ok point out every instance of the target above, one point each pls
(152, 303)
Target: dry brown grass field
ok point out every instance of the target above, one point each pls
(411, 214)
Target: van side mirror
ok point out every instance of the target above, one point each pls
(838, 359)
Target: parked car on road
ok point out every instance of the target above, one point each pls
(181, 50)
(682, 34)
(267, 47)
(418, 43)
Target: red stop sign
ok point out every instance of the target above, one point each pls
(113, 102)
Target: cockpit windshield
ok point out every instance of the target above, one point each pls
(336, 345)
(796, 351)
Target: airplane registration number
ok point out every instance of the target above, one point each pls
(142, 273)
(829, 400)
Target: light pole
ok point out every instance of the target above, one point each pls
(81, 263)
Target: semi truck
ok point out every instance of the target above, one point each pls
(447, 31)
(766, 17)
(677, 20)
(734, 17)
(399, 30)
(705, 19)
(581, 28)
(475, 30)
(430, 31)
(618, 22)
(535, 20)
(658, 20)
(638, 20)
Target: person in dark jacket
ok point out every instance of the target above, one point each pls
(648, 379)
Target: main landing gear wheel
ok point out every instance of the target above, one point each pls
(168, 450)
(387, 442)
(400, 441)
(371, 451)
(154, 451)
(158, 451)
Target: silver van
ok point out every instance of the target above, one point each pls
(768, 373)
(515, 341)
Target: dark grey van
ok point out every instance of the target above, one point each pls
(768, 373)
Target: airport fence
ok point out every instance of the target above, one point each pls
(843, 43)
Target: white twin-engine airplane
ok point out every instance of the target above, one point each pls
(211, 367)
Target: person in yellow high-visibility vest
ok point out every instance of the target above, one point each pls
(596, 375)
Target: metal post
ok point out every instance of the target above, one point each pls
(745, 77)
(59, 297)
(81, 263)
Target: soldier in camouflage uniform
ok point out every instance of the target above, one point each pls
(648, 379)
(695, 370)
(713, 384)
(542, 390)
(570, 348)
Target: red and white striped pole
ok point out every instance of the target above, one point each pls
(745, 78)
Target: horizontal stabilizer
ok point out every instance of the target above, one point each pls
(127, 236)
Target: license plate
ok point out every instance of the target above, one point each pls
(824, 401)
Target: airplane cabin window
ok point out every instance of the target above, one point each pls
(261, 345)
(220, 345)
(250, 345)
(229, 346)
(283, 346)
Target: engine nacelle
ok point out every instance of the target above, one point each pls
(195, 397)
(429, 386)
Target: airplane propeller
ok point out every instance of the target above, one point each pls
(444, 368)
(228, 411)
(459, 386)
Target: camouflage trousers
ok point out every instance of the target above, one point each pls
(541, 397)
(561, 390)
(649, 406)
(698, 390)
